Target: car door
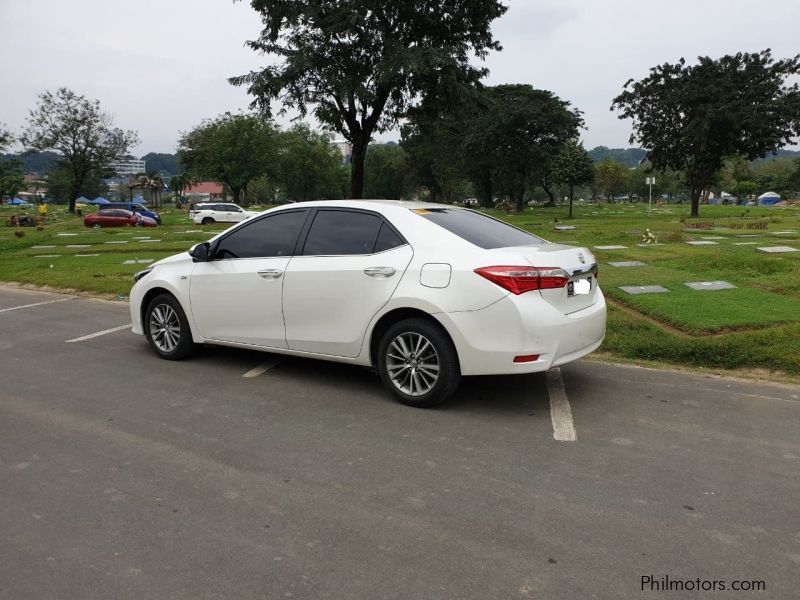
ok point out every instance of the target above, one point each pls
(349, 267)
(236, 297)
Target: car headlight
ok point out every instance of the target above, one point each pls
(141, 274)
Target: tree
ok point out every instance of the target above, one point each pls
(361, 63)
(11, 178)
(573, 167)
(6, 137)
(309, 167)
(233, 149)
(80, 132)
(610, 178)
(178, 184)
(388, 172)
(691, 117)
(60, 184)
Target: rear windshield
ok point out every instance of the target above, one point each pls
(479, 229)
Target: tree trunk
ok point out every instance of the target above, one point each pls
(695, 212)
(570, 201)
(487, 201)
(520, 201)
(357, 167)
(549, 192)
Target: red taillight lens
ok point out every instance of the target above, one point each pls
(524, 358)
(520, 279)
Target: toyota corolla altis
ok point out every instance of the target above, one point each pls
(424, 293)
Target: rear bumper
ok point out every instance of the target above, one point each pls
(487, 340)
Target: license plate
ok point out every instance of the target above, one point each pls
(579, 287)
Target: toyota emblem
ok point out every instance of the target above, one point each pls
(581, 258)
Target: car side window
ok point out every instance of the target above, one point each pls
(387, 239)
(275, 235)
(339, 232)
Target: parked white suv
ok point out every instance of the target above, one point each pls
(219, 212)
(425, 293)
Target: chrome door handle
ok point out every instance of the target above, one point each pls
(270, 273)
(379, 271)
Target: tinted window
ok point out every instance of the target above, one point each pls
(479, 229)
(272, 236)
(387, 239)
(336, 232)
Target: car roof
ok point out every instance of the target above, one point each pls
(369, 204)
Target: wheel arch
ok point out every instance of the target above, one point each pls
(152, 293)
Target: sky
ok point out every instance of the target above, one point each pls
(161, 66)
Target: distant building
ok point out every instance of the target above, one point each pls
(346, 148)
(125, 166)
(203, 191)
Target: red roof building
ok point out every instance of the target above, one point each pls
(206, 189)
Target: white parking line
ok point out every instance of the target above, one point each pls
(2, 310)
(98, 334)
(560, 411)
(262, 368)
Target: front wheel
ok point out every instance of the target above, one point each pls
(167, 328)
(417, 363)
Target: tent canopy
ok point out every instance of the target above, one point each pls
(17, 202)
(768, 199)
(98, 200)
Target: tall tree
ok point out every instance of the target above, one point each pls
(388, 172)
(233, 149)
(309, 166)
(690, 117)
(11, 178)
(361, 63)
(6, 137)
(79, 131)
(573, 167)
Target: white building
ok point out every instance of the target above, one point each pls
(345, 147)
(125, 166)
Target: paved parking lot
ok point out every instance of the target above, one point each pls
(246, 475)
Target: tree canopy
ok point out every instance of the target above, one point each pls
(691, 117)
(79, 131)
(360, 64)
(309, 167)
(233, 148)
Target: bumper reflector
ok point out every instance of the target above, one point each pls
(524, 358)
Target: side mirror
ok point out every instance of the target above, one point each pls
(201, 252)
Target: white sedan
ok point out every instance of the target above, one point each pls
(219, 212)
(425, 293)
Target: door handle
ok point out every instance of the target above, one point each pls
(270, 273)
(380, 271)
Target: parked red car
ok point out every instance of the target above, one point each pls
(117, 217)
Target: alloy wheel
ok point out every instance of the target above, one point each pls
(165, 328)
(412, 363)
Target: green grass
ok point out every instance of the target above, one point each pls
(755, 326)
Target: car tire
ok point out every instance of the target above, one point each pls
(207, 221)
(97, 225)
(167, 329)
(417, 363)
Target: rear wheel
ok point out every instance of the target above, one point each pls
(97, 225)
(207, 221)
(167, 328)
(417, 363)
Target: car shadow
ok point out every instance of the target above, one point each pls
(522, 395)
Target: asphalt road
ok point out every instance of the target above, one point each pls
(125, 476)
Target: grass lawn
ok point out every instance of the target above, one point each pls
(755, 326)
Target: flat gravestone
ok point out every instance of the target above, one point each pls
(644, 289)
(628, 263)
(78, 246)
(710, 285)
(564, 227)
(744, 235)
(713, 237)
(141, 237)
(41, 247)
(776, 249)
(46, 255)
(148, 241)
(745, 243)
(138, 261)
(648, 245)
(67, 234)
(86, 255)
(702, 243)
(790, 232)
(610, 247)
(117, 242)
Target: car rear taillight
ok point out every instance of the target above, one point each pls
(521, 279)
